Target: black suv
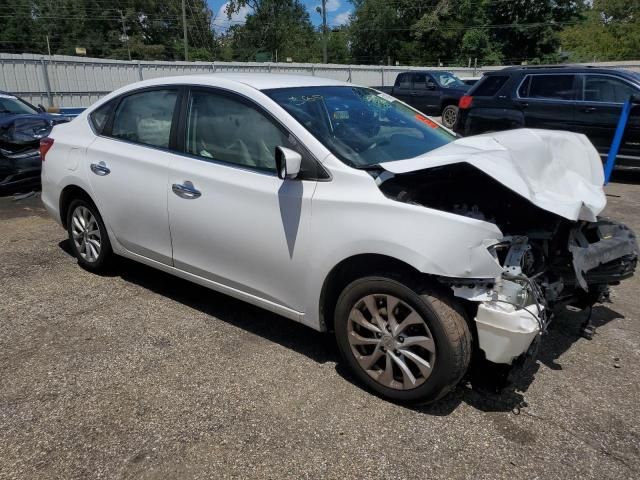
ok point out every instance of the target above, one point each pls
(576, 98)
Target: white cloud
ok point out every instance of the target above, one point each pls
(333, 5)
(341, 19)
(221, 22)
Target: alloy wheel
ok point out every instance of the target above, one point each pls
(449, 117)
(86, 234)
(391, 341)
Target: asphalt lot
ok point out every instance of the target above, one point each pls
(141, 375)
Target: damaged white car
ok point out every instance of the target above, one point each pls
(344, 209)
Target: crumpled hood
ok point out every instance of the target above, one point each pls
(558, 171)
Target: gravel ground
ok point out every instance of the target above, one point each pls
(141, 375)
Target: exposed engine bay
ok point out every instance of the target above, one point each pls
(547, 260)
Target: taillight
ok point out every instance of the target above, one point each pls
(465, 102)
(45, 144)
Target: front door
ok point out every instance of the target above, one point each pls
(426, 94)
(233, 221)
(128, 172)
(599, 110)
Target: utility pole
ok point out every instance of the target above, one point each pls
(184, 32)
(124, 33)
(323, 12)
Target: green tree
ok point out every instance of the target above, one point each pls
(19, 31)
(610, 31)
(281, 28)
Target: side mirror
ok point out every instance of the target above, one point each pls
(287, 162)
(431, 86)
(41, 108)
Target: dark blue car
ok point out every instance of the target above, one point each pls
(21, 127)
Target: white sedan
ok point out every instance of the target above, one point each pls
(342, 208)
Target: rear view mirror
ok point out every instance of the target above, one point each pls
(287, 162)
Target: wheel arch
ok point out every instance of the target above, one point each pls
(68, 195)
(357, 266)
(448, 101)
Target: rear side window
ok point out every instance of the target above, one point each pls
(559, 87)
(602, 88)
(100, 116)
(490, 85)
(145, 117)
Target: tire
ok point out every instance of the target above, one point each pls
(83, 236)
(444, 339)
(449, 116)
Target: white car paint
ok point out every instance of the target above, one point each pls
(273, 242)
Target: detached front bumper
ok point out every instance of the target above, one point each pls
(19, 170)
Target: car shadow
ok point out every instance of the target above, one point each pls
(488, 394)
(482, 392)
(626, 176)
(315, 345)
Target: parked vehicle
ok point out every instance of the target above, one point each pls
(340, 207)
(432, 92)
(573, 98)
(21, 127)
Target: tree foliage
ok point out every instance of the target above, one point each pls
(454, 31)
(610, 31)
(430, 32)
(279, 28)
(150, 29)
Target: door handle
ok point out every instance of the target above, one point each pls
(185, 190)
(588, 109)
(100, 169)
(522, 104)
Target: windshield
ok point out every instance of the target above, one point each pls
(448, 80)
(361, 126)
(10, 104)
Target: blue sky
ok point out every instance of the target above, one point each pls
(337, 12)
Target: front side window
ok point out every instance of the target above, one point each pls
(420, 81)
(361, 126)
(558, 87)
(602, 88)
(449, 80)
(226, 129)
(145, 117)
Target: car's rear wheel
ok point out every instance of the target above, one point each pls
(449, 116)
(88, 236)
(406, 345)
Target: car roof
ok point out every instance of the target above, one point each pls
(259, 81)
(566, 69)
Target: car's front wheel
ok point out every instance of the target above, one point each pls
(449, 116)
(88, 236)
(406, 345)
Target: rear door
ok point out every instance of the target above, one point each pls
(548, 100)
(128, 171)
(599, 109)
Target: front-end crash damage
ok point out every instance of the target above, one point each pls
(552, 253)
(19, 141)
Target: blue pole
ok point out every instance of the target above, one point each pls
(617, 138)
